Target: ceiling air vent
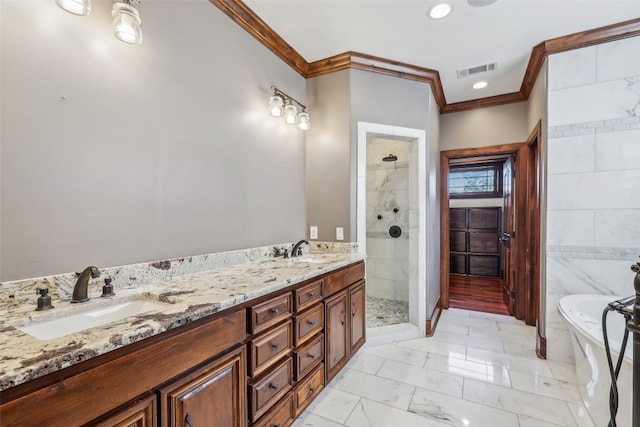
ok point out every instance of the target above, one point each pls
(477, 69)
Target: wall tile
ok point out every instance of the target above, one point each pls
(618, 228)
(570, 227)
(572, 154)
(602, 101)
(618, 59)
(573, 68)
(600, 190)
(618, 150)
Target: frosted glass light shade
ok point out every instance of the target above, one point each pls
(126, 23)
(276, 106)
(77, 7)
(290, 114)
(304, 121)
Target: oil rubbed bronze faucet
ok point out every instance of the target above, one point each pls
(297, 250)
(80, 289)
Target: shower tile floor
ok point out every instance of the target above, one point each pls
(384, 312)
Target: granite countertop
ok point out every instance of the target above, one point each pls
(189, 297)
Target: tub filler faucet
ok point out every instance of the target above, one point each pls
(80, 289)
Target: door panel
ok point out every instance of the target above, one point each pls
(508, 236)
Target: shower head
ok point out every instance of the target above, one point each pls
(390, 158)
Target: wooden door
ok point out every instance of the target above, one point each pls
(337, 344)
(508, 236)
(358, 321)
(213, 396)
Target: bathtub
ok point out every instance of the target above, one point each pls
(583, 313)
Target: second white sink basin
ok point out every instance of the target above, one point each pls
(76, 322)
(309, 259)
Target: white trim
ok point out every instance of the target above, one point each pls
(418, 248)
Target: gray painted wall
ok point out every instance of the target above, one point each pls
(113, 154)
(329, 156)
(485, 126)
(433, 207)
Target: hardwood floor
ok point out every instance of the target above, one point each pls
(477, 293)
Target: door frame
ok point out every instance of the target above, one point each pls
(445, 157)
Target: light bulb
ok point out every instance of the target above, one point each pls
(276, 105)
(290, 114)
(77, 7)
(126, 23)
(439, 11)
(304, 121)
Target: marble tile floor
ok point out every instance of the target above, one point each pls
(382, 312)
(479, 370)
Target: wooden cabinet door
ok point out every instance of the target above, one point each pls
(358, 321)
(509, 248)
(213, 396)
(141, 413)
(337, 345)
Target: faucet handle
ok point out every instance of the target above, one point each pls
(107, 289)
(286, 253)
(278, 251)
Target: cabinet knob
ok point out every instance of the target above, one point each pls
(312, 294)
(311, 390)
(273, 387)
(188, 422)
(312, 356)
(275, 311)
(275, 346)
(311, 323)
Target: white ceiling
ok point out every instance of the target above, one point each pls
(400, 30)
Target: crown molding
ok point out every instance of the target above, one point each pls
(254, 25)
(361, 61)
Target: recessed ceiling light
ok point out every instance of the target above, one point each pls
(480, 85)
(440, 10)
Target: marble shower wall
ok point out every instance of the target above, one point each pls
(388, 188)
(593, 181)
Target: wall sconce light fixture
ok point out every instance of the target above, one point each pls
(126, 22)
(282, 104)
(77, 7)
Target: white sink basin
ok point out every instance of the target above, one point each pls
(79, 321)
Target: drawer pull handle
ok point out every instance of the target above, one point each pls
(188, 421)
(355, 308)
(311, 390)
(276, 425)
(311, 323)
(273, 387)
(312, 356)
(275, 311)
(342, 317)
(275, 346)
(312, 294)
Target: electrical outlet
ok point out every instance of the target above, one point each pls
(339, 233)
(313, 232)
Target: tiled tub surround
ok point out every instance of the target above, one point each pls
(196, 287)
(593, 181)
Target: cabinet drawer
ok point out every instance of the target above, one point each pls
(339, 280)
(308, 357)
(265, 349)
(270, 312)
(283, 414)
(266, 392)
(308, 324)
(307, 390)
(307, 295)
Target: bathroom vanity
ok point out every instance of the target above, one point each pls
(252, 355)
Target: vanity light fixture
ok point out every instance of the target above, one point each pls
(480, 85)
(126, 22)
(282, 104)
(77, 7)
(440, 10)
